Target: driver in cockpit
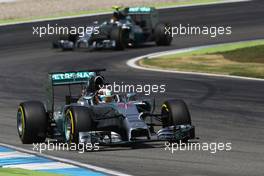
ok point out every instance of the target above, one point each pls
(104, 95)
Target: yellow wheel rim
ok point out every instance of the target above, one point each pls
(22, 116)
(166, 107)
(70, 115)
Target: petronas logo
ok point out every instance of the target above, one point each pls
(65, 76)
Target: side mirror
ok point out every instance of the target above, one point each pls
(131, 96)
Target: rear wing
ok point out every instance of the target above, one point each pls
(67, 79)
(73, 77)
(139, 10)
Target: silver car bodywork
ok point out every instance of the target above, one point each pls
(126, 107)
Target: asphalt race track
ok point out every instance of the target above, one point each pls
(222, 109)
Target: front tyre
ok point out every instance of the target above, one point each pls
(175, 112)
(32, 122)
(162, 36)
(77, 119)
(119, 36)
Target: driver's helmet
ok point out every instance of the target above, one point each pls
(105, 95)
(115, 16)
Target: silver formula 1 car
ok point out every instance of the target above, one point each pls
(131, 26)
(82, 118)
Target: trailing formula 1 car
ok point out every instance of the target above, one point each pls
(97, 115)
(130, 26)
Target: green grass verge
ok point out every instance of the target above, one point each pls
(66, 14)
(239, 59)
(23, 172)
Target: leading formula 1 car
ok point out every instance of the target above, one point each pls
(130, 26)
(92, 117)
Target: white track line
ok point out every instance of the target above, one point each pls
(107, 13)
(68, 161)
(134, 63)
(15, 154)
(42, 166)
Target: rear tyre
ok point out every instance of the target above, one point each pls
(119, 36)
(175, 112)
(32, 122)
(71, 38)
(162, 37)
(77, 119)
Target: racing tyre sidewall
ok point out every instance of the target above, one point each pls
(175, 112)
(32, 122)
(162, 38)
(77, 119)
(118, 35)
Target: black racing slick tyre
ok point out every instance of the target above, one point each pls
(77, 119)
(175, 112)
(162, 35)
(119, 36)
(71, 37)
(32, 122)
